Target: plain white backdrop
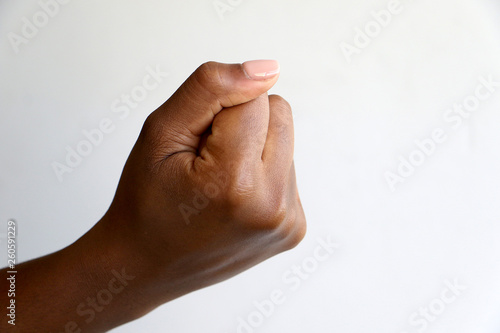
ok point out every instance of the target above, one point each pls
(357, 114)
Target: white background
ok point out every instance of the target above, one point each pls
(353, 121)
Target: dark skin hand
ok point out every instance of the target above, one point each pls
(207, 192)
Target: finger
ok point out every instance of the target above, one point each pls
(239, 133)
(295, 225)
(278, 150)
(212, 87)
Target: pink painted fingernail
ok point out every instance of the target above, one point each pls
(261, 69)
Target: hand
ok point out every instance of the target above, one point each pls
(209, 189)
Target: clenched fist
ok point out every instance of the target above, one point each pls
(208, 191)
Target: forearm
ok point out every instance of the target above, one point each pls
(89, 286)
(207, 192)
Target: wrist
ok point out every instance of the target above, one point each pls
(116, 277)
(158, 276)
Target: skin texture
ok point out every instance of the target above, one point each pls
(208, 191)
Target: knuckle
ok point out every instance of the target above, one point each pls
(259, 207)
(289, 221)
(245, 199)
(281, 112)
(208, 76)
(273, 213)
(280, 103)
(241, 188)
(231, 187)
(276, 209)
(298, 233)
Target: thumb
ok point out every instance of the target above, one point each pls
(190, 111)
